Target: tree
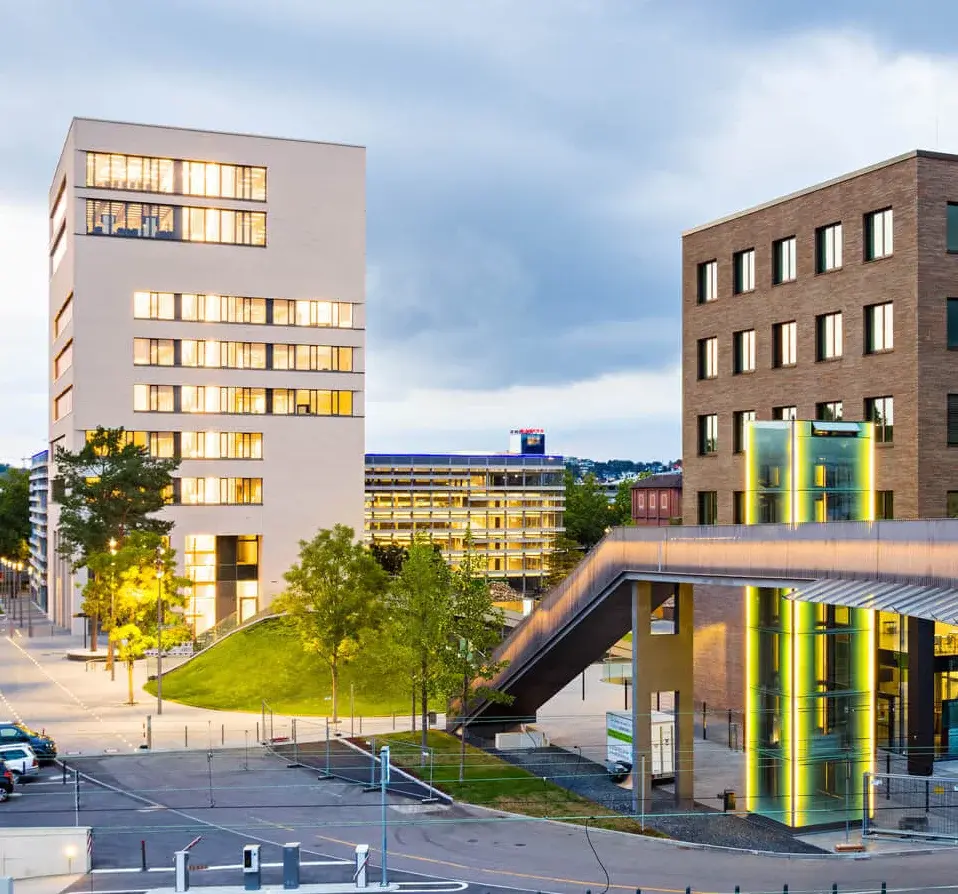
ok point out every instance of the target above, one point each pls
(390, 556)
(15, 514)
(621, 511)
(477, 630)
(587, 513)
(131, 644)
(421, 615)
(106, 490)
(565, 555)
(336, 591)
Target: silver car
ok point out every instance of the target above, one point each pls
(21, 761)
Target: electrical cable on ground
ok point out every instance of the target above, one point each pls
(605, 872)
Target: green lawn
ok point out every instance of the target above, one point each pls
(266, 661)
(491, 782)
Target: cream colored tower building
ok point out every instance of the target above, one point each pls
(207, 294)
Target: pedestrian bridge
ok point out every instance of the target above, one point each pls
(907, 567)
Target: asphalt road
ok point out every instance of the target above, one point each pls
(167, 799)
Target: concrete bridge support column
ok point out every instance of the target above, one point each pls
(662, 663)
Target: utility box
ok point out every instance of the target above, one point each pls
(291, 865)
(362, 862)
(6, 885)
(252, 880)
(181, 870)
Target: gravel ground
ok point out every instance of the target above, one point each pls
(703, 826)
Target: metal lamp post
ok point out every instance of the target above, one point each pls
(159, 633)
(29, 599)
(111, 657)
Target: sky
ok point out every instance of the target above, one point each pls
(531, 166)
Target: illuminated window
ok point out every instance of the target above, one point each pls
(784, 260)
(140, 220)
(312, 402)
(321, 314)
(162, 444)
(222, 309)
(785, 344)
(113, 171)
(64, 316)
(828, 248)
(131, 219)
(881, 412)
(223, 226)
(153, 305)
(828, 336)
(743, 271)
(879, 234)
(225, 181)
(740, 421)
(218, 491)
(708, 434)
(153, 352)
(223, 354)
(313, 357)
(63, 361)
(707, 282)
(743, 347)
(708, 358)
(63, 404)
(879, 328)
(784, 414)
(153, 398)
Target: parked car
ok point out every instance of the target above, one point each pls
(6, 782)
(15, 733)
(20, 760)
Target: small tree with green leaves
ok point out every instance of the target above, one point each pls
(565, 555)
(390, 556)
(131, 644)
(107, 489)
(421, 621)
(15, 514)
(587, 512)
(335, 593)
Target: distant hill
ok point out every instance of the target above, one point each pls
(616, 469)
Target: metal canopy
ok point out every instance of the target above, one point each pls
(931, 603)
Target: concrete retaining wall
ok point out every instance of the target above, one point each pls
(35, 852)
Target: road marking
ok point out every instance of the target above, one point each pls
(131, 869)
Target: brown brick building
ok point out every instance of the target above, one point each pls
(657, 500)
(839, 301)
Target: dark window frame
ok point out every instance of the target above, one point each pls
(884, 431)
(778, 277)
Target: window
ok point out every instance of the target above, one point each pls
(743, 352)
(708, 434)
(952, 324)
(313, 358)
(785, 344)
(743, 271)
(213, 180)
(879, 328)
(952, 227)
(953, 420)
(640, 501)
(287, 312)
(738, 507)
(740, 421)
(651, 499)
(153, 305)
(112, 171)
(182, 224)
(63, 405)
(221, 445)
(58, 251)
(64, 361)
(708, 358)
(58, 216)
(708, 507)
(829, 411)
(784, 260)
(881, 412)
(153, 398)
(153, 352)
(952, 504)
(884, 504)
(879, 227)
(311, 402)
(222, 309)
(223, 354)
(162, 444)
(828, 336)
(64, 316)
(218, 491)
(828, 248)
(784, 414)
(707, 282)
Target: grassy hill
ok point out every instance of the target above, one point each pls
(266, 661)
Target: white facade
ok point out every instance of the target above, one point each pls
(140, 285)
(39, 489)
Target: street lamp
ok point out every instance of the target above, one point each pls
(159, 632)
(29, 601)
(111, 657)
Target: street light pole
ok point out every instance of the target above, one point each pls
(111, 656)
(159, 633)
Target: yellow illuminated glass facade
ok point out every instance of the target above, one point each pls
(223, 572)
(810, 675)
(511, 506)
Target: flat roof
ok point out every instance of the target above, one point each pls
(224, 133)
(462, 459)
(915, 153)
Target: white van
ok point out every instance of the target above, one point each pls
(21, 761)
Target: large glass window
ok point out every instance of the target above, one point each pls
(223, 354)
(113, 171)
(879, 328)
(218, 491)
(140, 220)
(743, 271)
(952, 420)
(153, 305)
(879, 234)
(708, 358)
(952, 226)
(214, 180)
(313, 357)
(153, 352)
(784, 414)
(64, 316)
(740, 421)
(784, 260)
(828, 336)
(952, 324)
(707, 286)
(222, 309)
(785, 344)
(708, 434)
(63, 361)
(828, 248)
(221, 445)
(708, 507)
(881, 412)
(153, 398)
(884, 504)
(63, 404)
(829, 411)
(321, 314)
(743, 359)
(223, 226)
(312, 402)
(135, 219)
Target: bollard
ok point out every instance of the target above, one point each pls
(291, 865)
(834, 888)
(884, 888)
(186, 737)
(142, 855)
(149, 731)
(785, 889)
(251, 867)
(64, 774)
(737, 890)
(362, 858)
(222, 734)
(257, 731)
(394, 721)
(729, 729)
(181, 871)
(705, 721)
